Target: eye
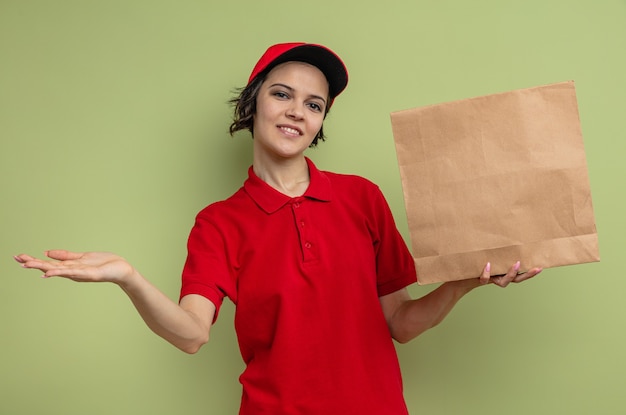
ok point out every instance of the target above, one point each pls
(281, 95)
(315, 106)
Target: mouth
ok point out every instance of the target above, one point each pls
(290, 131)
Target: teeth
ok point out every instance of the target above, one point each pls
(290, 130)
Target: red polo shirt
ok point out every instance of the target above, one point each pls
(305, 275)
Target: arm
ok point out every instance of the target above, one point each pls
(185, 325)
(409, 318)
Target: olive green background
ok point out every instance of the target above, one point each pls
(113, 134)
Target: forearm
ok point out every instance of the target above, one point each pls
(413, 317)
(186, 326)
(171, 321)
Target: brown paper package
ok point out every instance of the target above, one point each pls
(498, 178)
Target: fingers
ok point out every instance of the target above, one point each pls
(67, 269)
(63, 255)
(92, 266)
(56, 254)
(50, 268)
(34, 263)
(514, 275)
(510, 276)
(485, 277)
(22, 258)
(27, 261)
(527, 275)
(506, 279)
(76, 274)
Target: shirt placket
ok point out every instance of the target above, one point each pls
(300, 207)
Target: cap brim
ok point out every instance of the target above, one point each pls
(330, 64)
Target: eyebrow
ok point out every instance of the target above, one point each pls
(292, 89)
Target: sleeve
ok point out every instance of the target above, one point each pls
(395, 267)
(206, 271)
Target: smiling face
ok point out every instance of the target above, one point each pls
(290, 109)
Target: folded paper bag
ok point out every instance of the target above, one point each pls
(498, 178)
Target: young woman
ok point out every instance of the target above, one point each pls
(312, 260)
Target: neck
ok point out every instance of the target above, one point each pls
(289, 176)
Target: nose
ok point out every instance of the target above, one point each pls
(294, 111)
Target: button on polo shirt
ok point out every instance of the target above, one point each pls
(302, 214)
(305, 275)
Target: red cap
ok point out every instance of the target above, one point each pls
(317, 55)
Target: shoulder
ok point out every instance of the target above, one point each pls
(353, 185)
(223, 208)
(350, 180)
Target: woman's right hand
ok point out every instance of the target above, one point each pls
(82, 267)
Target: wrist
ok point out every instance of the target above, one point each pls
(128, 279)
(463, 287)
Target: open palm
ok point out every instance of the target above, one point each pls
(82, 267)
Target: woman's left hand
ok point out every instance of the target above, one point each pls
(513, 275)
